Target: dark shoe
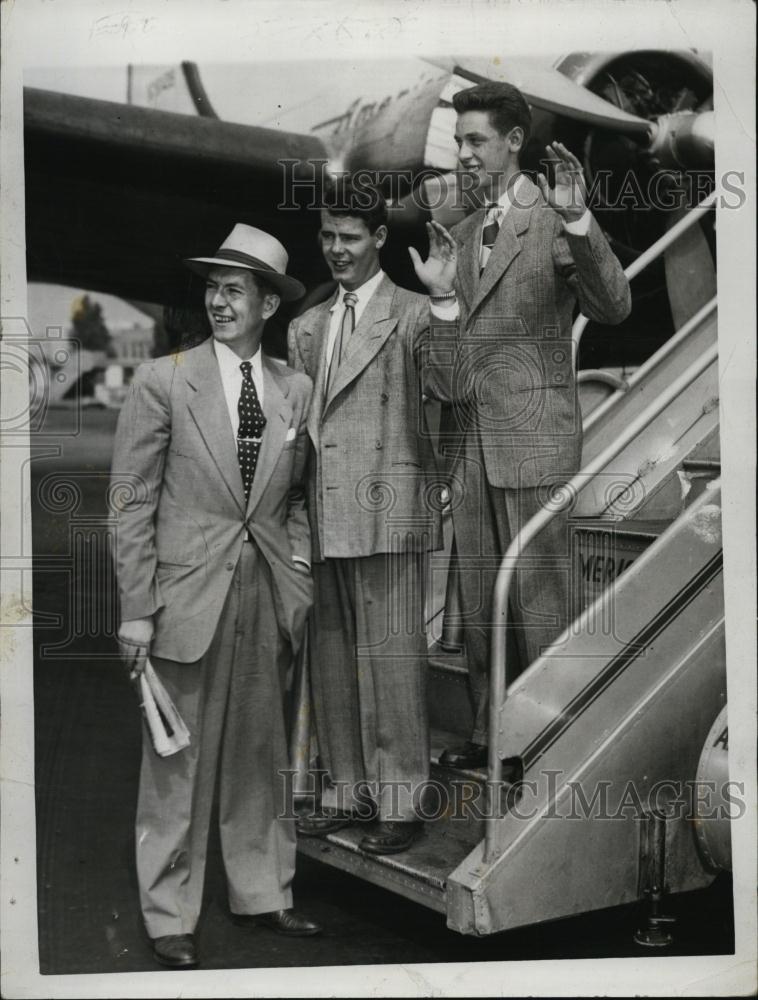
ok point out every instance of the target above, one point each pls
(285, 922)
(175, 950)
(321, 823)
(391, 837)
(470, 755)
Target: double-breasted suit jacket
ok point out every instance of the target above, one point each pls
(373, 488)
(375, 515)
(182, 517)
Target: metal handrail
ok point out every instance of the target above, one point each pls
(559, 502)
(652, 362)
(652, 253)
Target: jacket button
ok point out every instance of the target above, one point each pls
(378, 445)
(384, 397)
(230, 565)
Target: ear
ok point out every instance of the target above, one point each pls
(380, 237)
(516, 139)
(270, 305)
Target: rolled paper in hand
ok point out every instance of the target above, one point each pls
(167, 730)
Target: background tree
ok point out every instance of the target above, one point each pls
(89, 328)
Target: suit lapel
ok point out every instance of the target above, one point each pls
(469, 238)
(278, 413)
(507, 245)
(207, 406)
(316, 334)
(369, 336)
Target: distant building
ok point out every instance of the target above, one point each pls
(133, 344)
(61, 371)
(93, 376)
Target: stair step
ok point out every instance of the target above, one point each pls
(419, 874)
(449, 698)
(457, 793)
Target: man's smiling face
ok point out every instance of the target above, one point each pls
(483, 152)
(237, 308)
(350, 250)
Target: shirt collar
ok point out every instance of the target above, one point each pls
(363, 293)
(229, 362)
(507, 197)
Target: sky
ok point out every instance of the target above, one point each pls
(249, 93)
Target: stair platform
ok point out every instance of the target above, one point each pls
(419, 874)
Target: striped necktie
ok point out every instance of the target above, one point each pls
(250, 431)
(490, 231)
(343, 336)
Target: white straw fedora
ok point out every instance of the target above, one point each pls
(253, 250)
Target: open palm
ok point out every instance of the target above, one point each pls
(437, 272)
(567, 196)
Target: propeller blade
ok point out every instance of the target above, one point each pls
(551, 90)
(690, 271)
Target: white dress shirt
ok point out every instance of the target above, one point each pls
(231, 378)
(580, 227)
(363, 294)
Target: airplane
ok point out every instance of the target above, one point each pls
(118, 193)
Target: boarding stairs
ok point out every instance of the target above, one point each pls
(625, 698)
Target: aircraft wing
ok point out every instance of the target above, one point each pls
(117, 195)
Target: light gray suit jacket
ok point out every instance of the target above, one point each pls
(372, 484)
(178, 495)
(507, 361)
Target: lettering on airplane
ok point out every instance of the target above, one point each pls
(163, 82)
(722, 740)
(359, 113)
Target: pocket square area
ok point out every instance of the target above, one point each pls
(291, 434)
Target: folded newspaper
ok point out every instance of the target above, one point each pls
(167, 729)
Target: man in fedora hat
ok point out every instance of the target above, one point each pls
(212, 551)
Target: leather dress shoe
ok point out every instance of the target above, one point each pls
(470, 755)
(285, 922)
(321, 823)
(391, 837)
(175, 950)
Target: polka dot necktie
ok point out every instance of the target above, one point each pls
(343, 335)
(250, 431)
(489, 233)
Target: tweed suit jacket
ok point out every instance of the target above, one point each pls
(507, 362)
(371, 478)
(178, 495)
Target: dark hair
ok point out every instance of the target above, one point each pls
(342, 197)
(264, 288)
(505, 103)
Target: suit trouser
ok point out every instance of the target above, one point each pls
(486, 521)
(368, 677)
(231, 701)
